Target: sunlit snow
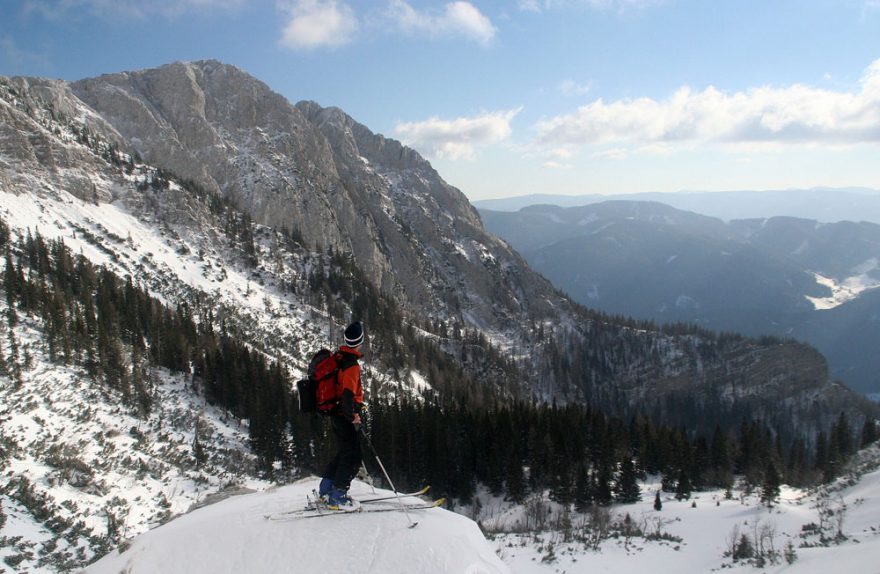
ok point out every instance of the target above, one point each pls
(849, 288)
(235, 536)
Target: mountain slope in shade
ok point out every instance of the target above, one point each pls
(817, 282)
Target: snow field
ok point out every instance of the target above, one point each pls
(234, 536)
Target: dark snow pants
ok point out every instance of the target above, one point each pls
(347, 462)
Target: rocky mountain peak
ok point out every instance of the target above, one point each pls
(362, 142)
(303, 167)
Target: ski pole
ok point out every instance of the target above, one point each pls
(388, 478)
(367, 478)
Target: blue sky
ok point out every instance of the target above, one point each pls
(528, 96)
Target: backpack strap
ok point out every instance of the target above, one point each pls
(345, 361)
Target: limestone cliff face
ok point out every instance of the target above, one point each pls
(229, 133)
(35, 154)
(318, 171)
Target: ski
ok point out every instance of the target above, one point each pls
(393, 496)
(314, 504)
(317, 511)
(398, 507)
(390, 508)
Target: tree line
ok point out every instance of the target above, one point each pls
(452, 439)
(117, 331)
(583, 456)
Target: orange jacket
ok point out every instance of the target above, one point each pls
(350, 382)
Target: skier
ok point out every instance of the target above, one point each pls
(346, 423)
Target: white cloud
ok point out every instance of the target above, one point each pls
(456, 19)
(556, 165)
(561, 153)
(794, 115)
(604, 5)
(317, 23)
(458, 138)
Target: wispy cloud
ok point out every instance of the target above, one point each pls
(766, 116)
(539, 6)
(317, 23)
(56, 9)
(571, 88)
(552, 164)
(14, 58)
(530, 5)
(461, 19)
(458, 138)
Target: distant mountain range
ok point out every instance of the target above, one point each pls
(784, 276)
(822, 203)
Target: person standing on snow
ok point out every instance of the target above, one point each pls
(346, 422)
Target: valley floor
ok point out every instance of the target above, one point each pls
(700, 532)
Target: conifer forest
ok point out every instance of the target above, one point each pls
(454, 439)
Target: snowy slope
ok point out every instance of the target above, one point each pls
(234, 536)
(693, 536)
(79, 469)
(698, 532)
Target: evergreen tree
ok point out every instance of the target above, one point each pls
(821, 458)
(744, 549)
(515, 482)
(658, 504)
(832, 458)
(720, 459)
(626, 487)
(797, 463)
(683, 487)
(199, 454)
(454, 440)
(604, 494)
(770, 489)
(842, 432)
(584, 489)
(870, 433)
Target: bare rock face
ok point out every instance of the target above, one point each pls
(318, 171)
(227, 132)
(36, 159)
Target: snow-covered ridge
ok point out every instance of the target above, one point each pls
(234, 536)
